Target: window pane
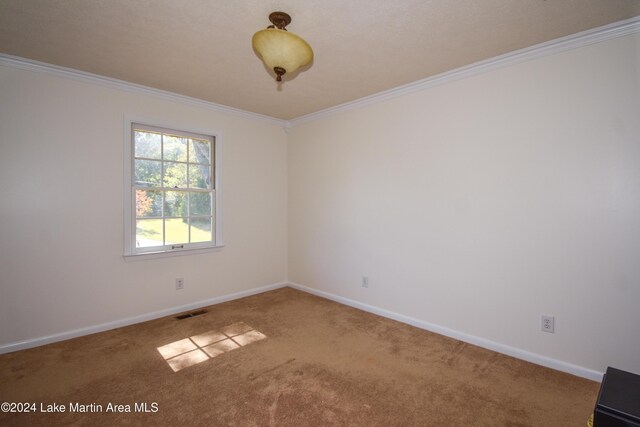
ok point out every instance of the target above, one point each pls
(175, 148)
(173, 180)
(200, 204)
(147, 173)
(148, 144)
(175, 175)
(199, 151)
(177, 230)
(201, 230)
(148, 203)
(199, 176)
(148, 233)
(175, 203)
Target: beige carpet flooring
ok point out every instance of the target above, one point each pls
(285, 358)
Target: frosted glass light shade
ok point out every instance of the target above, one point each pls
(282, 49)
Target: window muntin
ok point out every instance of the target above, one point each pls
(173, 190)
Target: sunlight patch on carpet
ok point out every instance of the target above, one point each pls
(199, 348)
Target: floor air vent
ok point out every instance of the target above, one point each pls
(192, 314)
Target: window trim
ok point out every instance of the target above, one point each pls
(129, 193)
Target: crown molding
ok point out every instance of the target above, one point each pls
(574, 41)
(69, 73)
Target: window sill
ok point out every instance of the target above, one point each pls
(167, 254)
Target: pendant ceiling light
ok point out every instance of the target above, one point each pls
(282, 51)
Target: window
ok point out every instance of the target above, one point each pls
(173, 191)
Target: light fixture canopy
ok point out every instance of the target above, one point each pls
(281, 51)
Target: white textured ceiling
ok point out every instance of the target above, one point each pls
(202, 48)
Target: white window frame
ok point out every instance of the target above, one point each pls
(130, 249)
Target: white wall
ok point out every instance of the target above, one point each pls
(61, 208)
(475, 205)
(479, 204)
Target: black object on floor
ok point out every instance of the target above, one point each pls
(618, 402)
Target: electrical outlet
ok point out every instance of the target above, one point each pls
(547, 323)
(179, 283)
(365, 282)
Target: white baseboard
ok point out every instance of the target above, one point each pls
(471, 339)
(22, 345)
